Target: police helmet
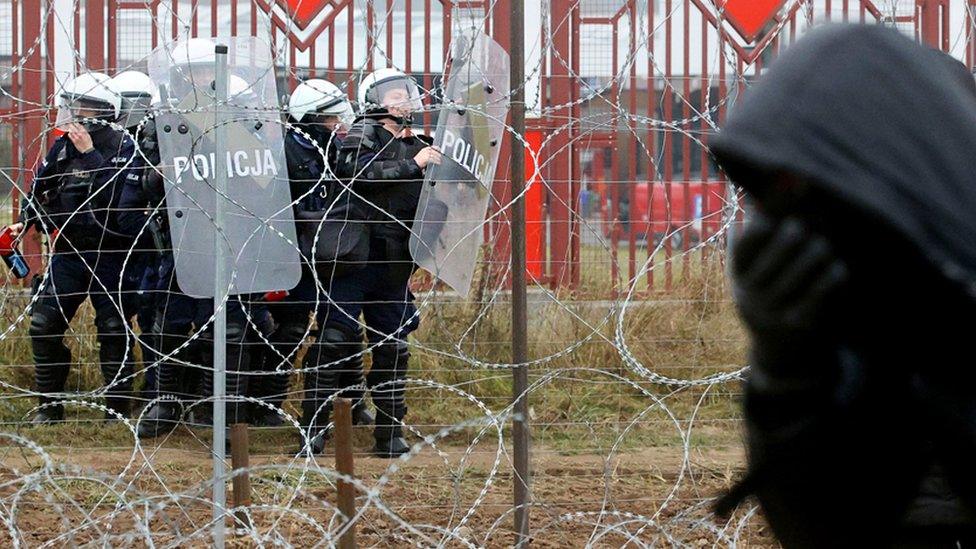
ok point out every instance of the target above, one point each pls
(389, 93)
(138, 92)
(89, 96)
(317, 98)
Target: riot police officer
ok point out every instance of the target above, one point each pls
(318, 110)
(384, 162)
(180, 317)
(138, 92)
(88, 177)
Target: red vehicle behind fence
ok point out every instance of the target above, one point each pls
(690, 210)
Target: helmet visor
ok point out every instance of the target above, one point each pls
(399, 95)
(336, 115)
(195, 79)
(135, 108)
(76, 109)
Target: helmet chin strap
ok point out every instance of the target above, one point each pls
(318, 131)
(403, 122)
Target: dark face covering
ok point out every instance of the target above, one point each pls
(318, 132)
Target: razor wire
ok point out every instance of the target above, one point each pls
(634, 385)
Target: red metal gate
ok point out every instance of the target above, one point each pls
(621, 128)
(638, 136)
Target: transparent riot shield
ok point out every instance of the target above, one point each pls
(447, 231)
(259, 230)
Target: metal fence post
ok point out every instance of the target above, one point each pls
(220, 309)
(520, 346)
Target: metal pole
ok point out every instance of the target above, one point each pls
(520, 344)
(930, 23)
(220, 310)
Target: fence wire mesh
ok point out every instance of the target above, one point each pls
(636, 351)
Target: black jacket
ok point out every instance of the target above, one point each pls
(381, 169)
(85, 196)
(312, 184)
(884, 132)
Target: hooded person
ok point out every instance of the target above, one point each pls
(856, 280)
(960, 72)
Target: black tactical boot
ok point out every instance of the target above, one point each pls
(159, 420)
(115, 359)
(287, 340)
(235, 384)
(310, 409)
(361, 415)
(390, 447)
(48, 415)
(387, 389)
(122, 405)
(332, 352)
(261, 416)
(51, 361)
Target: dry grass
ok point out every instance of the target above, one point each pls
(593, 412)
(689, 332)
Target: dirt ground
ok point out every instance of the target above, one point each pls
(652, 496)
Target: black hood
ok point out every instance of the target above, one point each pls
(875, 121)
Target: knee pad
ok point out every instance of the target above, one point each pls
(291, 332)
(110, 326)
(286, 342)
(235, 332)
(391, 355)
(163, 327)
(45, 322)
(338, 337)
(338, 334)
(262, 322)
(333, 346)
(389, 363)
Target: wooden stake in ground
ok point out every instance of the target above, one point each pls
(344, 465)
(242, 482)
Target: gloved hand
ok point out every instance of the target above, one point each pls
(784, 277)
(152, 186)
(814, 420)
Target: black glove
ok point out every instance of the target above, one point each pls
(152, 186)
(784, 278)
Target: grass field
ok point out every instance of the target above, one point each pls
(613, 454)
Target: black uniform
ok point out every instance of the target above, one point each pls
(177, 316)
(145, 274)
(857, 281)
(311, 189)
(381, 169)
(76, 199)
